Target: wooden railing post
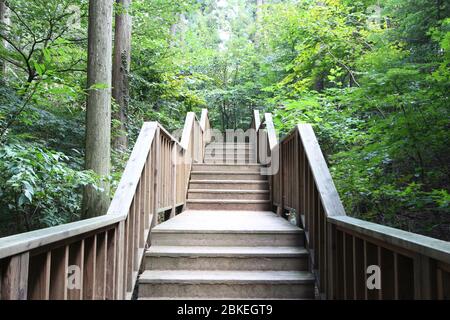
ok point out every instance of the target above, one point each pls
(174, 180)
(156, 174)
(422, 277)
(14, 278)
(120, 280)
(280, 208)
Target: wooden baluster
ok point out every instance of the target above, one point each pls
(90, 255)
(321, 247)
(348, 267)
(121, 261)
(370, 258)
(137, 226)
(174, 180)
(156, 174)
(386, 260)
(280, 181)
(131, 247)
(76, 260)
(359, 271)
(339, 265)
(39, 275)
(404, 277)
(331, 261)
(111, 263)
(58, 273)
(100, 267)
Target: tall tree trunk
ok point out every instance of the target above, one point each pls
(259, 4)
(98, 113)
(4, 21)
(121, 70)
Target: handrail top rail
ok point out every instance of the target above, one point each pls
(27, 241)
(434, 248)
(117, 212)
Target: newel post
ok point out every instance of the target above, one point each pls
(174, 180)
(14, 278)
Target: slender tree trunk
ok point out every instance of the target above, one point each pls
(98, 113)
(259, 4)
(4, 21)
(121, 70)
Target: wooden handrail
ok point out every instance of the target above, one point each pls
(100, 258)
(342, 248)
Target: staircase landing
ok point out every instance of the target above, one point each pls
(227, 220)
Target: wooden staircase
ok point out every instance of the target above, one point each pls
(226, 254)
(228, 180)
(227, 243)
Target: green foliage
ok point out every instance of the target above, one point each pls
(38, 188)
(377, 95)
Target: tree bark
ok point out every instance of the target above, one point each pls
(4, 21)
(98, 113)
(121, 70)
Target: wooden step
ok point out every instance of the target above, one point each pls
(229, 194)
(254, 167)
(226, 258)
(230, 150)
(220, 161)
(231, 146)
(227, 175)
(225, 158)
(231, 284)
(229, 184)
(228, 204)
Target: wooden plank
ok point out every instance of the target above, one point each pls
(422, 277)
(89, 274)
(331, 261)
(359, 271)
(156, 174)
(39, 277)
(137, 226)
(15, 278)
(339, 280)
(348, 267)
(174, 180)
(404, 277)
(370, 258)
(58, 273)
(112, 264)
(386, 258)
(130, 249)
(76, 261)
(120, 274)
(100, 267)
(281, 181)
